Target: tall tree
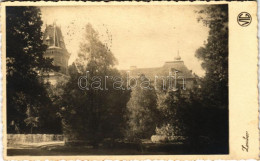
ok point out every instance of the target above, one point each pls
(214, 55)
(26, 95)
(142, 113)
(214, 86)
(93, 108)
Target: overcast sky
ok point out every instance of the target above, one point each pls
(142, 36)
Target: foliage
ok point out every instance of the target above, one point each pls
(26, 95)
(165, 130)
(142, 111)
(215, 56)
(96, 113)
(172, 105)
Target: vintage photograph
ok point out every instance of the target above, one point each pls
(117, 80)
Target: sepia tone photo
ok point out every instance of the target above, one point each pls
(118, 80)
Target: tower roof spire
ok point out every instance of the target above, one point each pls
(177, 57)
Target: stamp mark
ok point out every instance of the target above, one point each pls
(244, 19)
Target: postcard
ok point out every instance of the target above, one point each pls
(130, 80)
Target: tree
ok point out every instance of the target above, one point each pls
(170, 106)
(214, 55)
(174, 105)
(142, 113)
(213, 94)
(26, 95)
(97, 112)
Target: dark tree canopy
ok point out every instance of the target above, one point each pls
(26, 95)
(215, 55)
(213, 95)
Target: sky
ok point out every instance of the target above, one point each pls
(143, 36)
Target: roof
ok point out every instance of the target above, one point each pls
(53, 37)
(171, 66)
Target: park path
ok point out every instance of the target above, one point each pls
(36, 145)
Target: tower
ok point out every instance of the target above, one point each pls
(56, 50)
